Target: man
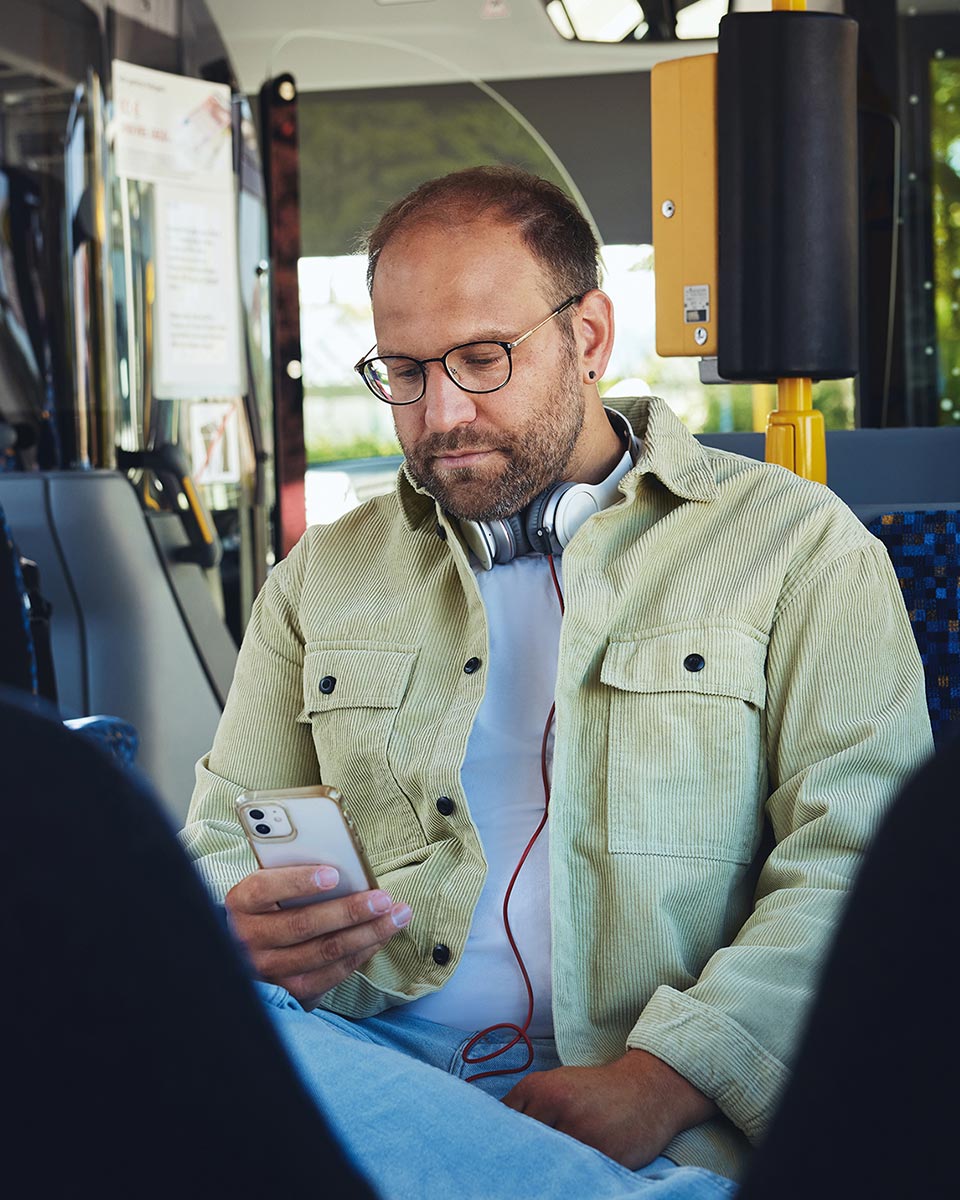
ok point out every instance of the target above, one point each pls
(737, 696)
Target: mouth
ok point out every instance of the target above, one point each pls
(454, 460)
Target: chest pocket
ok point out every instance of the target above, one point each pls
(685, 770)
(351, 699)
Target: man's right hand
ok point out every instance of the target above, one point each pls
(312, 948)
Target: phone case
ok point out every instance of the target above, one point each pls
(288, 827)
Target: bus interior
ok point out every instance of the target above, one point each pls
(155, 464)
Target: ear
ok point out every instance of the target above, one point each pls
(594, 328)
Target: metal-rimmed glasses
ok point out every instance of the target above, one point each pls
(476, 367)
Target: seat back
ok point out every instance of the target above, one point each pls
(26, 659)
(18, 660)
(924, 548)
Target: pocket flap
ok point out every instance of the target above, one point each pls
(713, 661)
(337, 677)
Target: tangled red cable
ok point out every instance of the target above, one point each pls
(520, 1031)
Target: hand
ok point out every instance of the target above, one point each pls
(629, 1109)
(310, 949)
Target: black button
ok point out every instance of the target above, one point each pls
(694, 662)
(327, 684)
(445, 805)
(470, 666)
(441, 533)
(441, 954)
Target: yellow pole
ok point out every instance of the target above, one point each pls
(795, 431)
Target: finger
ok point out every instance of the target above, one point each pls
(262, 891)
(305, 958)
(292, 926)
(310, 987)
(515, 1101)
(531, 1100)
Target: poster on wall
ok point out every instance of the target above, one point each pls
(198, 347)
(170, 128)
(215, 442)
(177, 133)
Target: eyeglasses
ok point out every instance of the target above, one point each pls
(476, 367)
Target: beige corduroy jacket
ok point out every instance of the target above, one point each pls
(738, 697)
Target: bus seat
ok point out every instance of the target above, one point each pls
(924, 548)
(26, 662)
(136, 632)
(18, 660)
(117, 737)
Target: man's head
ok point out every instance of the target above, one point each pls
(486, 255)
(552, 227)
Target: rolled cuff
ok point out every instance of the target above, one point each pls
(715, 1054)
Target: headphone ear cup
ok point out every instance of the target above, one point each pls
(504, 536)
(495, 541)
(479, 538)
(539, 520)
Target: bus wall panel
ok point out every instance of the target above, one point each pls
(114, 611)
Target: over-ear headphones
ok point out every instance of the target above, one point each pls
(547, 523)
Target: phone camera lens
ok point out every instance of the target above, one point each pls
(261, 828)
(256, 814)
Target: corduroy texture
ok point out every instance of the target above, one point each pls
(706, 820)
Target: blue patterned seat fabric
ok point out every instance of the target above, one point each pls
(925, 550)
(118, 738)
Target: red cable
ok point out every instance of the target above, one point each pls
(519, 1030)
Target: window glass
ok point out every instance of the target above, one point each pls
(360, 151)
(343, 422)
(945, 198)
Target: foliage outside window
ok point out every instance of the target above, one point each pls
(945, 148)
(357, 155)
(343, 421)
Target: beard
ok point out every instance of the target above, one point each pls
(536, 456)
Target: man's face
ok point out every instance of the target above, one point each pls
(481, 456)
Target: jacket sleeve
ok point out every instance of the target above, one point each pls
(259, 742)
(845, 724)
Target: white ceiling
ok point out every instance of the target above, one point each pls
(332, 44)
(370, 43)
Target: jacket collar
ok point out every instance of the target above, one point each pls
(669, 451)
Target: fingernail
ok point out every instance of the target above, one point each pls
(379, 902)
(327, 877)
(401, 915)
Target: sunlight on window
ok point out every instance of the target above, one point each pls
(945, 148)
(344, 422)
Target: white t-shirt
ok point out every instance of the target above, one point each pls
(503, 782)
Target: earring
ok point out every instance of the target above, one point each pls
(591, 374)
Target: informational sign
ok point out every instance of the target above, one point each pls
(171, 129)
(177, 133)
(215, 442)
(198, 342)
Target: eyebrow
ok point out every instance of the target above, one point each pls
(482, 336)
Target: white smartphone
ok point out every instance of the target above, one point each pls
(291, 827)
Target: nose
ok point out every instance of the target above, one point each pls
(445, 406)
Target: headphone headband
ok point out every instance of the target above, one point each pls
(548, 522)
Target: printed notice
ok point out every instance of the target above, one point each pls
(197, 309)
(696, 304)
(215, 442)
(171, 129)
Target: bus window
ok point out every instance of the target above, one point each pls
(361, 149)
(945, 155)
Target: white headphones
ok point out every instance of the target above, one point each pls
(547, 523)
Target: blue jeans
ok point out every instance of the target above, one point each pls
(388, 1087)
